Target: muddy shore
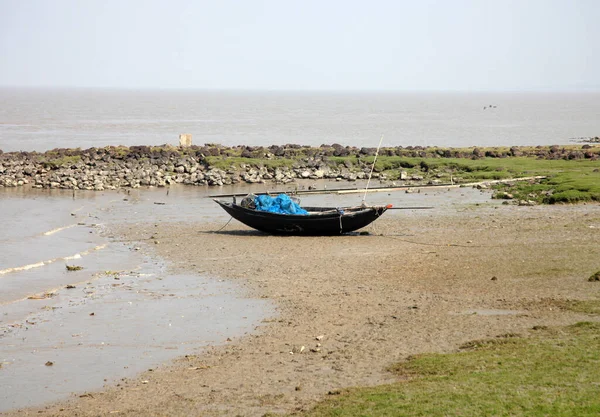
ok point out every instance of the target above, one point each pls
(348, 307)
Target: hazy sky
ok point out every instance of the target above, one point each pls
(303, 44)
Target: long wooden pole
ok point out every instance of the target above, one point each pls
(381, 189)
(372, 168)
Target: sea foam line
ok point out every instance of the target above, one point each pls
(48, 233)
(58, 229)
(49, 261)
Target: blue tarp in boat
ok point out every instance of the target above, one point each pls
(281, 204)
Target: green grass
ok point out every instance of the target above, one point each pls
(119, 151)
(579, 184)
(225, 163)
(575, 186)
(66, 160)
(554, 372)
(516, 166)
(383, 162)
(569, 181)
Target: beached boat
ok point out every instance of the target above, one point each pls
(318, 221)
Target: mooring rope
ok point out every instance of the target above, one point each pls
(217, 231)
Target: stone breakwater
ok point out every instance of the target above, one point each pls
(215, 165)
(118, 167)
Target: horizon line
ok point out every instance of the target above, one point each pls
(298, 90)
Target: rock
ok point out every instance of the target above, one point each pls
(297, 349)
(527, 203)
(502, 195)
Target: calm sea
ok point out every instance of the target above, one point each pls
(43, 119)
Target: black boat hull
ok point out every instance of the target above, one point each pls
(320, 222)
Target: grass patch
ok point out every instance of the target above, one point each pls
(74, 267)
(575, 186)
(552, 373)
(485, 168)
(569, 181)
(226, 163)
(564, 187)
(120, 151)
(56, 162)
(591, 307)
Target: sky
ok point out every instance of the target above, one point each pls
(373, 45)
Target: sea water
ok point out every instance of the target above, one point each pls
(64, 332)
(42, 119)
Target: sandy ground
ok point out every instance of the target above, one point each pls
(351, 306)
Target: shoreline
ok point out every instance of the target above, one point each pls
(350, 306)
(46, 311)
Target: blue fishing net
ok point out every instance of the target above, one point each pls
(281, 204)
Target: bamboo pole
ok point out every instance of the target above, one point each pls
(372, 168)
(423, 187)
(382, 189)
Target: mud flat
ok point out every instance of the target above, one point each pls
(348, 307)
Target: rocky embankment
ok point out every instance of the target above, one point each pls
(136, 166)
(118, 167)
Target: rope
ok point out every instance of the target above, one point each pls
(459, 245)
(440, 244)
(223, 226)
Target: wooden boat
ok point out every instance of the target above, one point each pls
(319, 221)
